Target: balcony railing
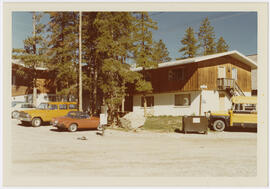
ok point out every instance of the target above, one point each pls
(231, 84)
(225, 83)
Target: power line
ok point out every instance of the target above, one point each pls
(197, 21)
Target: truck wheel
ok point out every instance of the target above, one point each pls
(219, 125)
(36, 122)
(72, 128)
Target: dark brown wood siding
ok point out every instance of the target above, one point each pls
(161, 83)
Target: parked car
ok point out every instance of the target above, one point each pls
(75, 120)
(243, 113)
(45, 112)
(20, 107)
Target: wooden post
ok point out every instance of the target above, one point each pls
(80, 62)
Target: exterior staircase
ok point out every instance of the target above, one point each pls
(229, 85)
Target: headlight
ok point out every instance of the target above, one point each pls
(28, 116)
(55, 121)
(208, 114)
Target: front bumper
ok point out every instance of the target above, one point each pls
(61, 126)
(24, 119)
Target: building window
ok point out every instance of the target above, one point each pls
(176, 74)
(234, 74)
(149, 101)
(182, 100)
(221, 72)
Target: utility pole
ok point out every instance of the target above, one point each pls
(80, 62)
(34, 96)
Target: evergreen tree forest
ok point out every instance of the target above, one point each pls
(204, 44)
(111, 41)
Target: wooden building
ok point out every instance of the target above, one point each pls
(21, 91)
(197, 85)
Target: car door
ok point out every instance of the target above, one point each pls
(86, 121)
(93, 122)
(63, 109)
(52, 112)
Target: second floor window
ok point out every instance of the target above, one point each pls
(176, 74)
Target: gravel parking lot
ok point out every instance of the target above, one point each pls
(45, 151)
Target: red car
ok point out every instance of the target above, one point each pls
(75, 120)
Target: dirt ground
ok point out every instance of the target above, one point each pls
(44, 151)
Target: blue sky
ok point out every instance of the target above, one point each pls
(239, 29)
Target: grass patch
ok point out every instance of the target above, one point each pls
(163, 123)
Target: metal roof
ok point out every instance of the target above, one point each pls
(235, 54)
(19, 62)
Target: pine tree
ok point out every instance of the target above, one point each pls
(160, 52)
(92, 60)
(222, 46)
(63, 28)
(143, 51)
(190, 44)
(207, 37)
(114, 44)
(33, 54)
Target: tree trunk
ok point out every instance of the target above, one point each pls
(80, 61)
(35, 96)
(123, 104)
(95, 99)
(144, 105)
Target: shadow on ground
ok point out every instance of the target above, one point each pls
(29, 124)
(181, 131)
(230, 129)
(240, 129)
(65, 130)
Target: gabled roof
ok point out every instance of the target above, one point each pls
(235, 54)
